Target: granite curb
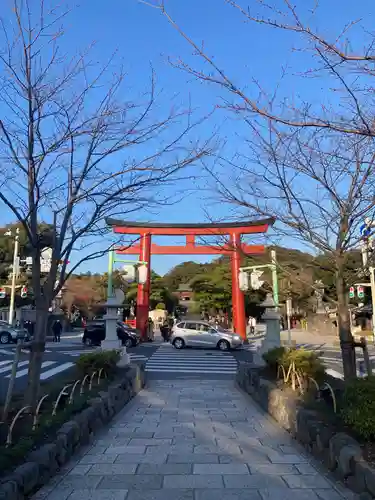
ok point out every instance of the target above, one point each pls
(338, 451)
(42, 464)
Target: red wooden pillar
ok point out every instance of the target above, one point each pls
(238, 303)
(143, 296)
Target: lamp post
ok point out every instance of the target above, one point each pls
(14, 273)
(115, 299)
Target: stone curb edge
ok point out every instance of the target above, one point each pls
(339, 452)
(40, 465)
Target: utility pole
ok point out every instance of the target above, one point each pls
(14, 274)
(275, 286)
(367, 241)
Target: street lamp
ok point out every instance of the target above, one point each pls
(14, 273)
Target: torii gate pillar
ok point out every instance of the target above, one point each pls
(238, 301)
(143, 297)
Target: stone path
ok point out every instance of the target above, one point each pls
(192, 440)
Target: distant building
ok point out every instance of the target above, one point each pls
(184, 294)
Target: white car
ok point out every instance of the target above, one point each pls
(202, 334)
(8, 334)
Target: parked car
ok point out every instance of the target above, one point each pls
(9, 335)
(202, 334)
(94, 333)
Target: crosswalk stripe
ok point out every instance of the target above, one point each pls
(24, 372)
(6, 368)
(54, 371)
(9, 367)
(5, 351)
(190, 362)
(7, 362)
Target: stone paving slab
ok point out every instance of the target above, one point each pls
(192, 440)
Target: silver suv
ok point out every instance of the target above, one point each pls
(8, 334)
(202, 334)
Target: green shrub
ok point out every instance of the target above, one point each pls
(307, 362)
(273, 357)
(94, 361)
(358, 407)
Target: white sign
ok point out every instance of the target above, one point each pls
(254, 279)
(45, 260)
(129, 273)
(142, 274)
(243, 279)
(288, 307)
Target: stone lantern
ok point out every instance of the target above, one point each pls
(111, 341)
(271, 318)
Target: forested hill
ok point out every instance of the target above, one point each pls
(297, 272)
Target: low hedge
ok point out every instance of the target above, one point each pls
(95, 361)
(306, 362)
(358, 407)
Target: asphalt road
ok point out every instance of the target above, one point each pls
(161, 359)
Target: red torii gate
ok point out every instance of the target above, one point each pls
(234, 248)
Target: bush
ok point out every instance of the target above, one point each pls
(273, 358)
(307, 362)
(94, 361)
(358, 407)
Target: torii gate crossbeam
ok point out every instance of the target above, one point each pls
(235, 248)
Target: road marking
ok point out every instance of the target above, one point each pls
(193, 371)
(2, 363)
(24, 372)
(22, 363)
(54, 371)
(5, 351)
(191, 362)
(334, 373)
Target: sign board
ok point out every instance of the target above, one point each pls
(142, 274)
(254, 279)
(129, 273)
(289, 307)
(243, 279)
(45, 260)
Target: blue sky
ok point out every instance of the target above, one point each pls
(141, 36)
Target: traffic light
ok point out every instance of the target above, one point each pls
(23, 292)
(360, 292)
(2, 293)
(351, 292)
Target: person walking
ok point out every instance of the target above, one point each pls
(252, 325)
(164, 329)
(57, 329)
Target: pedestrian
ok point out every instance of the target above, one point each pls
(252, 324)
(150, 330)
(164, 329)
(57, 329)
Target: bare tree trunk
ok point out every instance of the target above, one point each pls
(345, 334)
(36, 355)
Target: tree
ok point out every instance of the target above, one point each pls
(310, 166)
(73, 151)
